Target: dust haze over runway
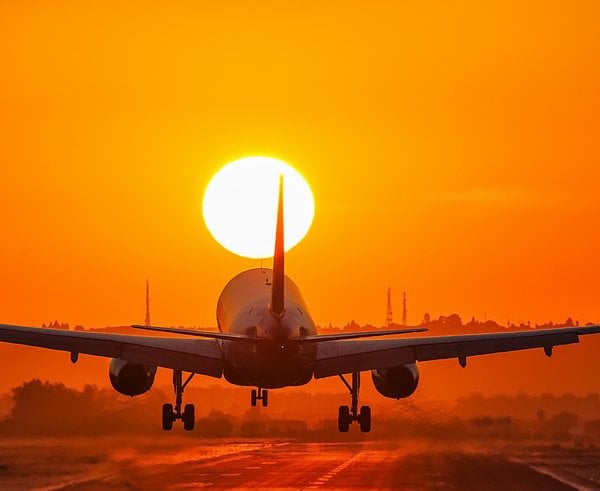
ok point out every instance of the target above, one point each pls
(182, 463)
(55, 437)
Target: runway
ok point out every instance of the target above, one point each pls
(183, 463)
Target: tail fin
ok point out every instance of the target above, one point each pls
(277, 293)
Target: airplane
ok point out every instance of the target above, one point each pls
(267, 339)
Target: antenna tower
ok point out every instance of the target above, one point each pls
(147, 321)
(404, 309)
(388, 315)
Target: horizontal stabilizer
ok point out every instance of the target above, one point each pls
(354, 335)
(307, 339)
(202, 334)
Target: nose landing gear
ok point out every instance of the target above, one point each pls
(259, 394)
(170, 414)
(347, 415)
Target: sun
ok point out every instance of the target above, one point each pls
(240, 206)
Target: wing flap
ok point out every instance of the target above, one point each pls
(193, 355)
(488, 346)
(339, 357)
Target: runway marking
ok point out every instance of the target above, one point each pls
(231, 474)
(253, 467)
(550, 473)
(332, 473)
(268, 462)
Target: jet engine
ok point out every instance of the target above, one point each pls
(130, 379)
(396, 382)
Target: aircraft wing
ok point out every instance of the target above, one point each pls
(339, 357)
(202, 356)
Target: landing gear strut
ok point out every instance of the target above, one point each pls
(347, 415)
(259, 394)
(171, 414)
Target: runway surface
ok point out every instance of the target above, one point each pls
(192, 464)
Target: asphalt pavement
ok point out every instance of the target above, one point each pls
(205, 464)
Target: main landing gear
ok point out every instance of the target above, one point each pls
(347, 415)
(259, 394)
(170, 414)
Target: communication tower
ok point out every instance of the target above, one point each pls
(404, 309)
(147, 321)
(388, 315)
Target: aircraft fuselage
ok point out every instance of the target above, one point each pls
(277, 359)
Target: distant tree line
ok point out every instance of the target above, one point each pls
(454, 322)
(39, 410)
(56, 325)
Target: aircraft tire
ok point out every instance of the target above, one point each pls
(167, 417)
(189, 417)
(364, 419)
(344, 419)
(265, 398)
(253, 397)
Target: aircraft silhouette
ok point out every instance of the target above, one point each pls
(268, 340)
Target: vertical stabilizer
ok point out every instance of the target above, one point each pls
(277, 293)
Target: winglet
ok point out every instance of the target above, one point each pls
(277, 293)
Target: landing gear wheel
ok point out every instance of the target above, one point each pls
(344, 419)
(261, 395)
(171, 413)
(167, 417)
(189, 417)
(347, 415)
(364, 419)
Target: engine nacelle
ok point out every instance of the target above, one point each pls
(130, 379)
(396, 382)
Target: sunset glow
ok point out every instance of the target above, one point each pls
(452, 149)
(435, 316)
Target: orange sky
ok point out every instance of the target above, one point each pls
(453, 149)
